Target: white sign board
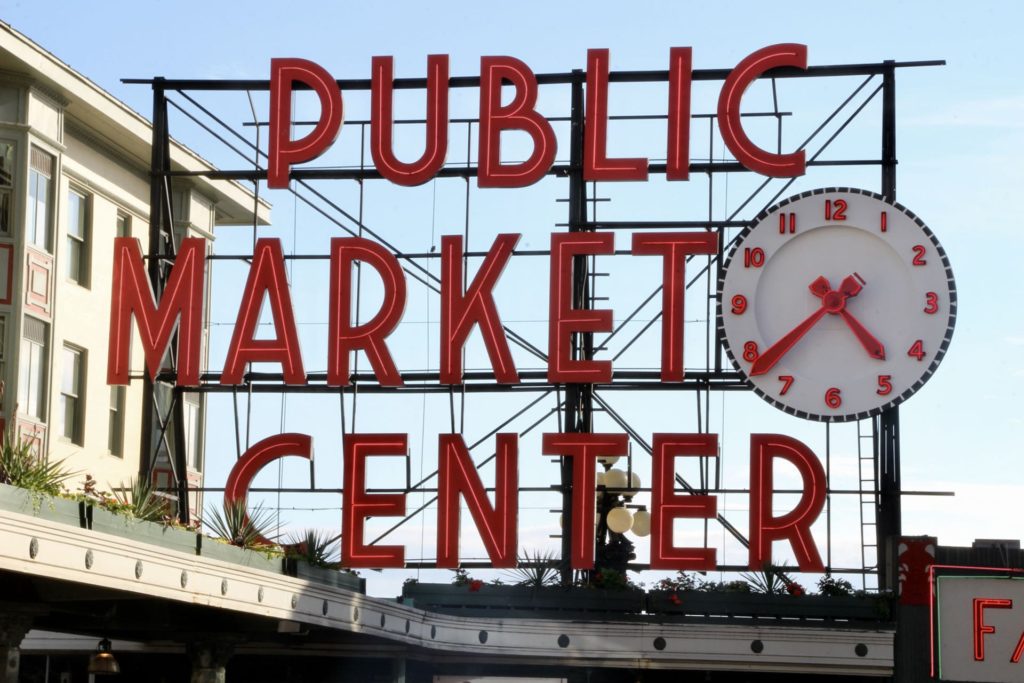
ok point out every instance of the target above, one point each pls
(980, 628)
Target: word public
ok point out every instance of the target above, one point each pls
(520, 114)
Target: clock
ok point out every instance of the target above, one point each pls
(836, 304)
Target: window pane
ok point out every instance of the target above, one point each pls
(76, 215)
(74, 260)
(70, 412)
(6, 186)
(115, 426)
(72, 392)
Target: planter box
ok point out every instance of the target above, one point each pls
(322, 575)
(214, 549)
(521, 601)
(98, 519)
(40, 505)
(724, 604)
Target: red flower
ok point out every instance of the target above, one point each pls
(795, 588)
(675, 599)
(475, 585)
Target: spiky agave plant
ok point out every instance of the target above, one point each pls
(770, 580)
(537, 570)
(140, 500)
(318, 548)
(21, 466)
(240, 526)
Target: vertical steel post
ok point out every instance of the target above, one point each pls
(147, 448)
(161, 254)
(887, 426)
(578, 398)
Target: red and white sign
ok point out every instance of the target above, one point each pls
(978, 626)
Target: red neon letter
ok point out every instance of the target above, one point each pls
(459, 313)
(284, 152)
(596, 164)
(382, 119)
(795, 526)
(745, 73)
(519, 115)
(680, 75)
(980, 627)
(266, 276)
(343, 336)
(667, 505)
(1018, 652)
(182, 299)
(260, 454)
(584, 449)
(458, 476)
(358, 504)
(674, 247)
(564, 319)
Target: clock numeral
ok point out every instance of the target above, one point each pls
(931, 303)
(787, 382)
(750, 351)
(916, 350)
(739, 304)
(833, 398)
(753, 257)
(835, 212)
(884, 385)
(783, 220)
(919, 252)
(883, 222)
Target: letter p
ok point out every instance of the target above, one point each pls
(284, 151)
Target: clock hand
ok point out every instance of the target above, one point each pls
(833, 301)
(767, 360)
(866, 339)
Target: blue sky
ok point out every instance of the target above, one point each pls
(960, 138)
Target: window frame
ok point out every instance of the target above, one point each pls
(115, 420)
(77, 436)
(7, 193)
(83, 242)
(32, 235)
(26, 371)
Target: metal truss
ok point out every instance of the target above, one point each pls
(574, 405)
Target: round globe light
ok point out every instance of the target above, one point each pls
(635, 484)
(615, 479)
(642, 523)
(620, 520)
(607, 460)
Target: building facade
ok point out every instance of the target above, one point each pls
(74, 174)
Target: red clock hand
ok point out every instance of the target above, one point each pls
(832, 301)
(767, 360)
(866, 339)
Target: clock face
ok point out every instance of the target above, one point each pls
(836, 304)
